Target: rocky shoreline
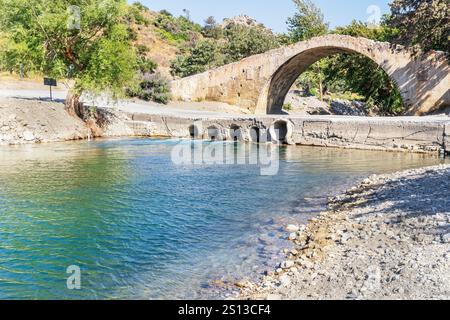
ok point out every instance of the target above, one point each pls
(387, 238)
(24, 121)
(28, 121)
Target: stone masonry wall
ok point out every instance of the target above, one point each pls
(424, 135)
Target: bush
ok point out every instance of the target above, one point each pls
(239, 42)
(203, 56)
(245, 41)
(147, 65)
(135, 14)
(175, 29)
(153, 87)
(287, 106)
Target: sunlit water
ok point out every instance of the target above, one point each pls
(141, 227)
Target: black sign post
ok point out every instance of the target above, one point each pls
(51, 83)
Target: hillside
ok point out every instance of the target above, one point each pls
(165, 37)
(160, 49)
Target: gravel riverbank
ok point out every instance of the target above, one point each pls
(388, 238)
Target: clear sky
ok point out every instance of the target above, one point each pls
(273, 13)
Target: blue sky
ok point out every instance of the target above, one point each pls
(273, 13)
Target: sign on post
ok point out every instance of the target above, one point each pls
(51, 83)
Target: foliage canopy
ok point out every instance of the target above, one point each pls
(88, 41)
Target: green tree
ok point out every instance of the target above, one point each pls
(204, 55)
(359, 74)
(307, 23)
(356, 28)
(312, 80)
(54, 37)
(212, 29)
(422, 23)
(238, 42)
(355, 73)
(244, 41)
(176, 29)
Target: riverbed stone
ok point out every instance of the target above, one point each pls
(273, 297)
(292, 228)
(285, 281)
(287, 264)
(28, 136)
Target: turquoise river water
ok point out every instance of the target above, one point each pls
(140, 226)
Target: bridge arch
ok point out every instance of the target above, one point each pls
(286, 75)
(259, 83)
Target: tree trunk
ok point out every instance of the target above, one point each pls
(73, 104)
(321, 89)
(319, 73)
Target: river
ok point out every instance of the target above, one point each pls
(140, 226)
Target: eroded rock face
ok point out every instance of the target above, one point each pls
(241, 20)
(260, 83)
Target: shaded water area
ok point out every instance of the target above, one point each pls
(141, 227)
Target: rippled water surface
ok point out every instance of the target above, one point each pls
(142, 227)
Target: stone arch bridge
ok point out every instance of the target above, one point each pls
(260, 83)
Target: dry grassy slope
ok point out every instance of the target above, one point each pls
(160, 50)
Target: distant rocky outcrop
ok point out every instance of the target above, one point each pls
(242, 20)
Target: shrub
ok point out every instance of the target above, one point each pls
(153, 87)
(287, 106)
(245, 41)
(135, 14)
(203, 56)
(175, 29)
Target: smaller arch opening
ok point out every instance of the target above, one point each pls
(235, 133)
(193, 132)
(280, 131)
(255, 134)
(213, 133)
